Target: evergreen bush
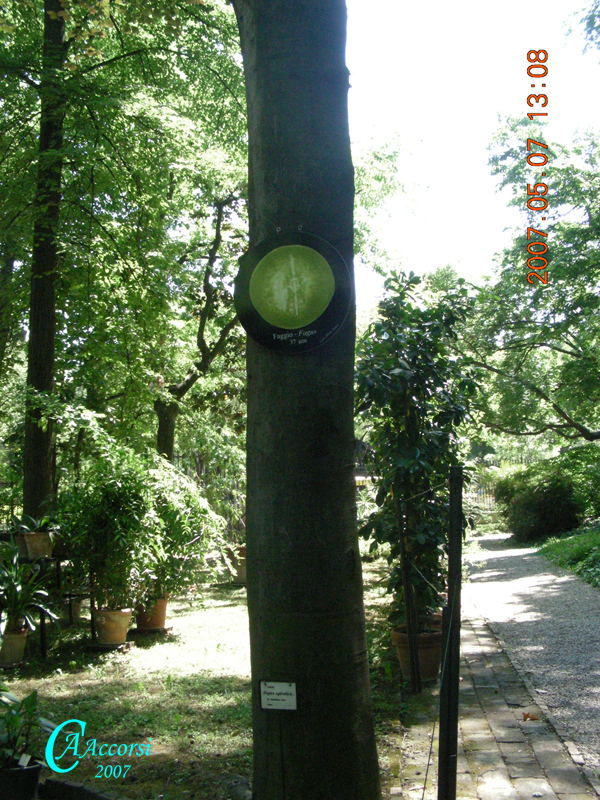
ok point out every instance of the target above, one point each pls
(540, 502)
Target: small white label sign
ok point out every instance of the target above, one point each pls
(278, 695)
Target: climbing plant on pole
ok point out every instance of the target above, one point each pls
(413, 394)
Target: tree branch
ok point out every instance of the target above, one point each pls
(29, 81)
(209, 289)
(139, 51)
(584, 431)
(106, 232)
(216, 350)
(560, 429)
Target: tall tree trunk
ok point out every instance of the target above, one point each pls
(304, 574)
(7, 305)
(37, 478)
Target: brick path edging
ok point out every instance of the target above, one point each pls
(559, 728)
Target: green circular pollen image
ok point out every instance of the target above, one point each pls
(291, 286)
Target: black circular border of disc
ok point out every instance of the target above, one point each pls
(317, 333)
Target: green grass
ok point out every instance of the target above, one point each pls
(578, 552)
(188, 692)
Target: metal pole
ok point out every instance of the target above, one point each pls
(451, 656)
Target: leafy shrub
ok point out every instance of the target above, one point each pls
(579, 552)
(538, 506)
(412, 395)
(135, 523)
(104, 523)
(552, 496)
(582, 465)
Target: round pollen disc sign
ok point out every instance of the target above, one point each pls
(293, 292)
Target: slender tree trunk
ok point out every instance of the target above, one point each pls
(37, 478)
(167, 412)
(167, 417)
(7, 305)
(304, 573)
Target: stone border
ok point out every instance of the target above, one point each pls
(558, 727)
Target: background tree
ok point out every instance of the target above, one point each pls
(540, 344)
(129, 87)
(214, 304)
(304, 576)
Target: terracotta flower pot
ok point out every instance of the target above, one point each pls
(13, 647)
(154, 618)
(19, 783)
(21, 545)
(429, 647)
(36, 544)
(111, 626)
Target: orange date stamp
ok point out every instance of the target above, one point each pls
(536, 200)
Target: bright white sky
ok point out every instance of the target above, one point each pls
(439, 74)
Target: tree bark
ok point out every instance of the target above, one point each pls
(37, 477)
(167, 412)
(7, 305)
(167, 417)
(304, 574)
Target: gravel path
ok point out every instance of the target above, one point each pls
(550, 620)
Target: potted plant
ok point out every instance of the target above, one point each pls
(106, 533)
(181, 523)
(412, 396)
(74, 587)
(427, 582)
(137, 529)
(164, 575)
(21, 746)
(34, 537)
(109, 548)
(21, 593)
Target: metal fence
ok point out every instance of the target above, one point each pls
(480, 498)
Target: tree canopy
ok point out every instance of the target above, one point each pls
(539, 344)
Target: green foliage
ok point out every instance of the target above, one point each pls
(376, 179)
(211, 440)
(22, 591)
(552, 496)
(105, 526)
(28, 524)
(184, 526)
(591, 21)
(136, 524)
(539, 505)
(154, 141)
(579, 552)
(538, 344)
(21, 728)
(582, 465)
(413, 394)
